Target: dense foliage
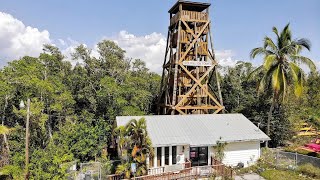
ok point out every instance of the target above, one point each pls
(73, 108)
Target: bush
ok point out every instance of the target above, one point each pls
(309, 170)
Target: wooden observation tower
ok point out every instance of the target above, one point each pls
(189, 63)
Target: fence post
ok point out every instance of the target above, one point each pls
(296, 161)
(277, 154)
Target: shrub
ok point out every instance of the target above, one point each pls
(309, 170)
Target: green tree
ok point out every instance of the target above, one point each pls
(281, 68)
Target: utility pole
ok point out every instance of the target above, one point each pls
(27, 140)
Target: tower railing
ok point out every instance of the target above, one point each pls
(189, 16)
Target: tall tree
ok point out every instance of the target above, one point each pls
(281, 67)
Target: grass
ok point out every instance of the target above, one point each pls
(267, 169)
(309, 170)
(273, 174)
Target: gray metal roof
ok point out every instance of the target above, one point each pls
(198, 130)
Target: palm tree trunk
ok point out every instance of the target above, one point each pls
(270, 117)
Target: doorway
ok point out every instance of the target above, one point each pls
(199, 156)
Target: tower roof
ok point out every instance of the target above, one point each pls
(189, 5)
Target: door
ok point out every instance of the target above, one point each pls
(199, 156)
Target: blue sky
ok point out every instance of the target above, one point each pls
(238, 26)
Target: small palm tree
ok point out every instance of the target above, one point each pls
(124, 169)
(134, 138)
(281, 66)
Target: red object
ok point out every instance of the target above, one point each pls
(314, 147)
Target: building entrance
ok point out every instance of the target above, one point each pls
(199, 156)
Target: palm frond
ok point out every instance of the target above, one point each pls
(297, 75)
(266, 77)
(268, 61)
(123, 169)
(268, 42)
(141, 170)
(275, 30)
(304, 43)
(284, 87)
(262, 83)
(277, 79)
(254, 73)
(257, 51)
(285, 37)
(304, 60)
(134, 151)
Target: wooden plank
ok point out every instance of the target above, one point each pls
(199, 82)
(195, 85)
(181, 112)
(193, 42)
(199, 107)
(175, 78)
(188, 28)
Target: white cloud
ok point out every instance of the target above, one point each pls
(149, 48)
(225, 58)
(17, 40)
(67, 47)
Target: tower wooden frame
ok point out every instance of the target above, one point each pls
(189, 63)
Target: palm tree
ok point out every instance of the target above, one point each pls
(281, 67)
(141, 143)
(134, 137)
(124, 169)
(137, 130)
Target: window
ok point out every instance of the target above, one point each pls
(174, 154)
(158, 156)
(166, 155)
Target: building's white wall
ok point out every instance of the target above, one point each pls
(246, 152)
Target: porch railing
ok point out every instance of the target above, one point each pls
(169, 168)
(215, 170)
(194, 173)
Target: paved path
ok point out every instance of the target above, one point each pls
(251, 176)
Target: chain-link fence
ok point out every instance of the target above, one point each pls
(71, 169)
(90, 171)
(288, 160)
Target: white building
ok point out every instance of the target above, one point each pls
(177, 138)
